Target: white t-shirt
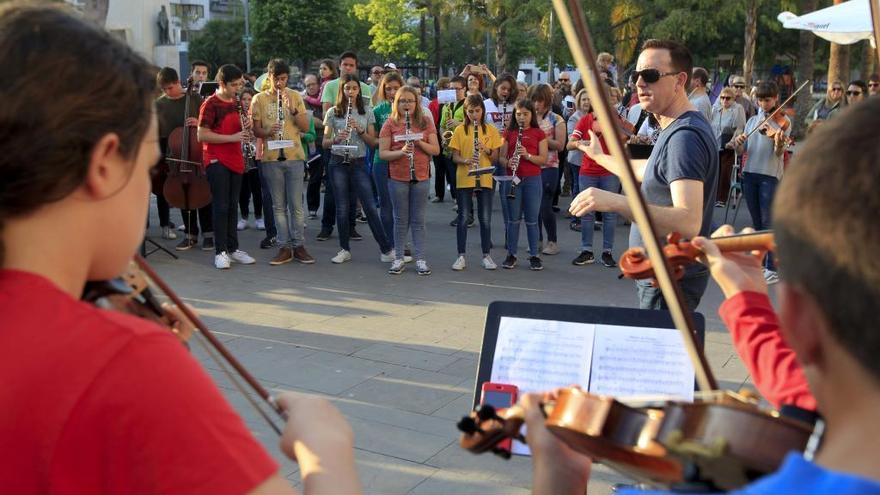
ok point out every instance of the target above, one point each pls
(496, 115)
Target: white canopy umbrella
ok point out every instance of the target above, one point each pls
(845, 23)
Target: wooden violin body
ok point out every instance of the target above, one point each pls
(186, 185)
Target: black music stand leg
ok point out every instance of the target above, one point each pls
(153, 248)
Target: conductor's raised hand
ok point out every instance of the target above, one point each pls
(591, 146)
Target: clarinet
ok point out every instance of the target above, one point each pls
(280, 107)
(248, 150)
(475, 158)
(513, 163)
(412, 157)
(347, 156)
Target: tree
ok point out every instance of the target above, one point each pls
(806, 40)
(220, 42)
(511, 24)
(838, 61)
(394, 24)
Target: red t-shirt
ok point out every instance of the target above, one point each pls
(531, 141)
(399, 169)
(95, 401)
(588, 165)
(221, 117)
(754, 328)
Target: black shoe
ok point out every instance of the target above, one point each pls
(575, 226)
(471, 222)
(509, 262)
(208, 244)
(268, 242)
(360, 217)
(535, 263)
(555, 209)
(355, 236)
(324, 234)
(608, 260)
(454, 222)
(187, 243)
(585, 258)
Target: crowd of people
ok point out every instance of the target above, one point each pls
(135, 412)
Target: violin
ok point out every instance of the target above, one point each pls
(635, 264)
(186, 185)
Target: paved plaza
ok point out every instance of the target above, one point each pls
(398, 354)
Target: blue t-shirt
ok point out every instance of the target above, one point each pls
(686, 149)
(800, 477)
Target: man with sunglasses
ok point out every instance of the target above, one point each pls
(874, 85)
(680, 178)
(856, 91)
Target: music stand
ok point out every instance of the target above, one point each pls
(154, 246)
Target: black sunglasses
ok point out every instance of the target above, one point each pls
(853, 93)
(873, 84)
(650, 76)
(724, 97)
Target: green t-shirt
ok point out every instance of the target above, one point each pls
(382, 111)
(332, 88)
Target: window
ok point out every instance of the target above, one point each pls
(187, 11)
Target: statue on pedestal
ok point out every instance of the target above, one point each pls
(162, 22)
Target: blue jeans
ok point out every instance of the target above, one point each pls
(528, 203)
(549, 184)
(609, 219)
(409, 202)
(575, 183)
(484, 213)
(353, 178)
(758, 190)
(328, 215)
(380, 178)
(503, 187)
(286, 187)
(268, 214)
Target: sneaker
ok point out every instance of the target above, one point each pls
(324, 234)
(355, 236)
(720, 204)
(471, 222)
(585, 258)
(770, 276)
(300, 254)
(168, 233)
(535, 263)
(360, 217)
(509, 262)
(455, 208)
(242, 224)
(181, 227)
(488, 263)
(392, 255)
(260, 224)
(460, 264)
(551, 249)
(221, 261)
(208, 244)
(285, 255)
(341, 257)
(608, 260)
(313, 215)
(187, 243)
(437, 199)
(597, 226)
(454, 222)
(242, 257)
(397, 267)
(422, 267)
(268, 242)
(575, 226)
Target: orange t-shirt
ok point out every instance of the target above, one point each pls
(399, 169)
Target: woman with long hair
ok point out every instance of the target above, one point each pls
(72, 213)
(553, 126)
(348, 131)
(499, 113)
(462, 145)
(409, 169)
(523, 164)
(327, 72)
(390, 83)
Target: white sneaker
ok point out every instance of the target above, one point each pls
(488, 263)
(460, 264)
(242, 257)
(261, 224)
(167, 233)
(392, 255)
(181, 227)
(397, 267)
(341, 257)
(770, 277)
(221, 261)
(422, 267)
(242, 224)
(551, 249)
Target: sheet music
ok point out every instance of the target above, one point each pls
(635, 361)
(540, 355)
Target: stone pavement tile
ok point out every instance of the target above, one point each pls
(464, 366)
(514, 472)
(379, 413)
(402, 443)
(453, 482)
(457, 408)
(323, 372)
(423, 359)
(385, 475)
(408, 389)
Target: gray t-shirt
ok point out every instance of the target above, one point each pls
(687, 149)
(337, 124)
(703, 104)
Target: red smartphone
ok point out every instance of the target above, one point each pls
(499, 396)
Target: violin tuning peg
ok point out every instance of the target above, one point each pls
(486, 412)
(504, 454)
(468, 425)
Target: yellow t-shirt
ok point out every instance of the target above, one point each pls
(265, 111)
(462, 141)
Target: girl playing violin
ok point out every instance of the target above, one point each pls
(95, 401)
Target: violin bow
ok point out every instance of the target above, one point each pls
(580, 44)
(778, 108)
(218, 348)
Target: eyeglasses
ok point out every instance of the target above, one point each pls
(725, 97)
(458, 88)
(739, 86)
(873, 84)
(406, 100)
(650, 76)
(853, 93)
(311, 84)
(377, 72)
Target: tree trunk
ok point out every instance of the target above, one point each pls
(838, 63)
(501, 49)
(423, 39)
(869, 61)
(750, 39)
(806, 68)
(438, 56)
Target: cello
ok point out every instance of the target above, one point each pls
(186, 186)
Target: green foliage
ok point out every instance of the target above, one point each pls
(220, 42)
(394, 27)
